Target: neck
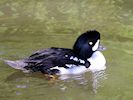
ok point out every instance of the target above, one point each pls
(83, 53)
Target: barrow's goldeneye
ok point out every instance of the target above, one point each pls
(84, 56)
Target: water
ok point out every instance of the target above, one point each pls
(30, 25)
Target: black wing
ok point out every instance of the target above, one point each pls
(45, 59)
(42, 54)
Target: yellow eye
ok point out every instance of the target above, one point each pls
(90, 43)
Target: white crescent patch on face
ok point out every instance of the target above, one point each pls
(95, 47)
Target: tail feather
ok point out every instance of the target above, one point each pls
(18, 64)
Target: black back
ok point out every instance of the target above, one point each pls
(48, 58)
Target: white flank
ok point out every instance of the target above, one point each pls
(97, 64)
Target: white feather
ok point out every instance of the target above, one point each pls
(75, 59)
(97, 64)
(95, 47)
(82, 61)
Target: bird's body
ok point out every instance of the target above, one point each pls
(83, 57)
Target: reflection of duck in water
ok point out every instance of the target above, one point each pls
(84, 56)
(89, 82)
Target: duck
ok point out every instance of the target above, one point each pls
(85, 56)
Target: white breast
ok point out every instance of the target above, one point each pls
(97, 62)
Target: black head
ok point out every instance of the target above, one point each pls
(87, 43)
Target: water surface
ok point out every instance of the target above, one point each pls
(30, 25)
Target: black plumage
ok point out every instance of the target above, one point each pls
(45, 59)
